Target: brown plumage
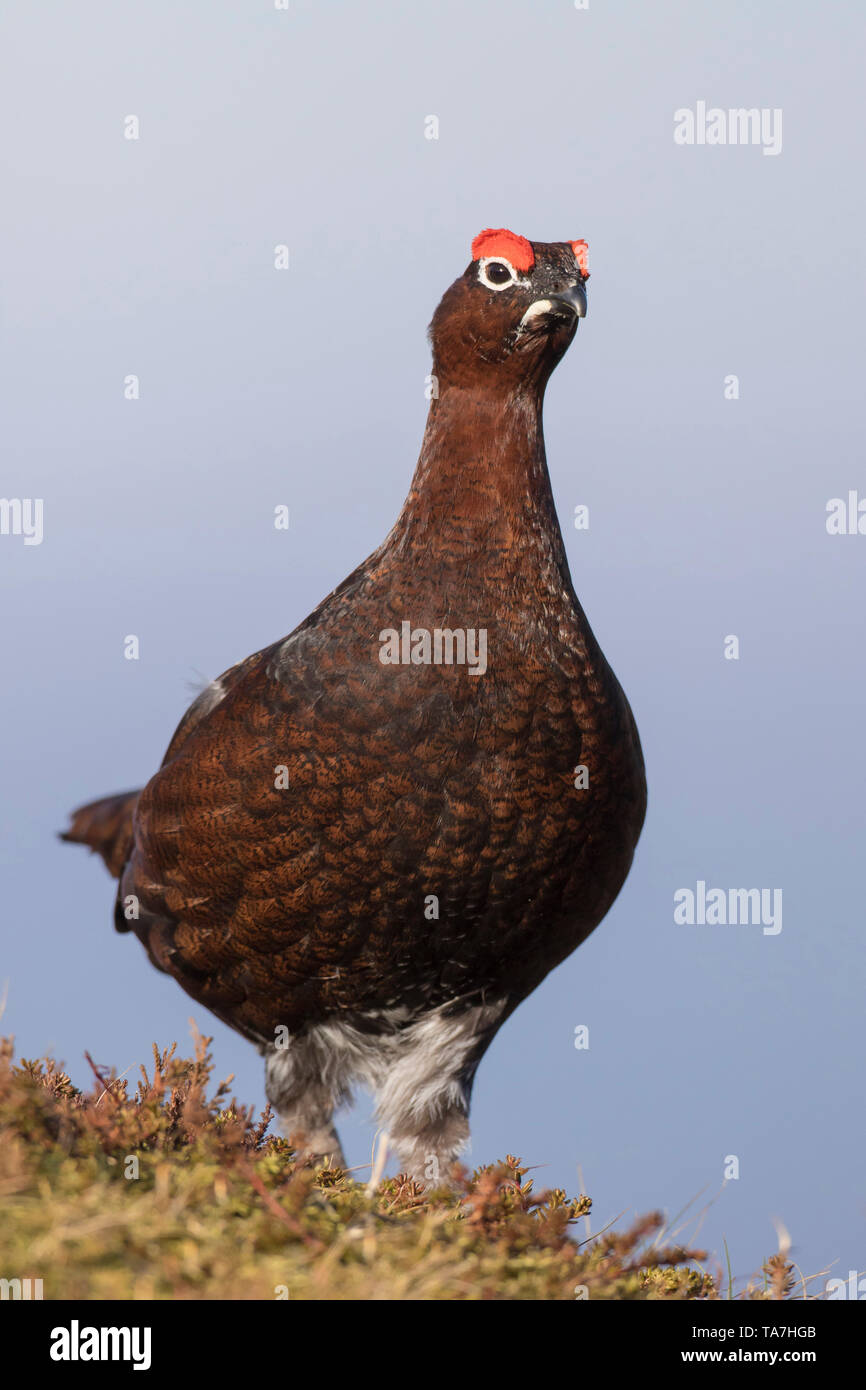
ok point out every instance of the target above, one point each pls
(365, 867)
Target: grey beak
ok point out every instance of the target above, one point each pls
(574, 296)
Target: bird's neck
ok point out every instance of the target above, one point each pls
(480, 500)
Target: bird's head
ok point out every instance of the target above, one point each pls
(513, 312)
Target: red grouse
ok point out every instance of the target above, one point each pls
(370, 841)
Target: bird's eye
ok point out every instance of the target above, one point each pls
(496, 274)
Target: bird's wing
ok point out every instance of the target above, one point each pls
(205, 701)
(290, 828)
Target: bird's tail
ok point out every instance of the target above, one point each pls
(106, 826)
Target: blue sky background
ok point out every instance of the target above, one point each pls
(306, 387)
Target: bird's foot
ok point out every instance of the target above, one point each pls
(318, 1148)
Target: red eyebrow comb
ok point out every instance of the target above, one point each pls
(498, 241)
(581, 255)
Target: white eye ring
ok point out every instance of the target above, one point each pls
(496, 260)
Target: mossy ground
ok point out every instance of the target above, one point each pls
(165, 1192)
